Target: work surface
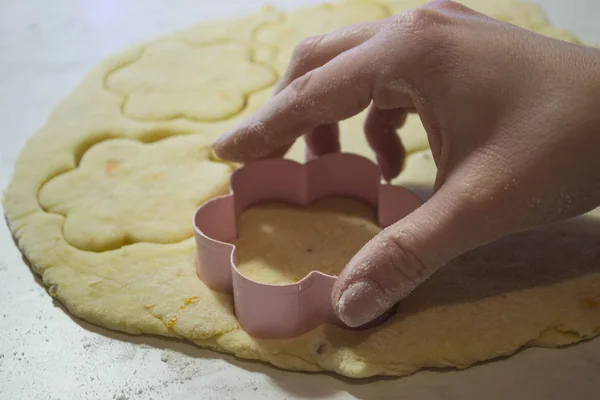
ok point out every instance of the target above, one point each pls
(45, 49)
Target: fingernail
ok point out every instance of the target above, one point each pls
(222, 148)
(217, 143)
(361, 302)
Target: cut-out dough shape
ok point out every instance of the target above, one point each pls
(174, 79)
(128, 192)
(544, 283)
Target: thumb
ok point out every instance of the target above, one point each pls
(405, 254)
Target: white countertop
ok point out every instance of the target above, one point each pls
(45, 49)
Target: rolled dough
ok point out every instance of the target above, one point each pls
(281, 244)
(101, 199)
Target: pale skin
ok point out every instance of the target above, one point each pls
(512, 119)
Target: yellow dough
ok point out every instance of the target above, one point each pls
(315, 21)
(280, 244)
(102, 196)
(193, 87)
(159, 180)
(418, 174)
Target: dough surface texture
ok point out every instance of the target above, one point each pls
(102, 197)
(281, 244)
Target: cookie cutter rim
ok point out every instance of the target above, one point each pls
(274, 311)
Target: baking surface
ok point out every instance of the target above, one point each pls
(45, 49)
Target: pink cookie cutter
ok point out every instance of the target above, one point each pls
(282, 311)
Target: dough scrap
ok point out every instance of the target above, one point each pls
(536, 288)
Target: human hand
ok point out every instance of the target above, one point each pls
(512, 120)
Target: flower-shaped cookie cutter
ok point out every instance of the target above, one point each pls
(282, 311)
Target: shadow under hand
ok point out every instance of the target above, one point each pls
(537, 257)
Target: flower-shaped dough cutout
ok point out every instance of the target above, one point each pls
(174, 79)
(126, 192)
(323, 18)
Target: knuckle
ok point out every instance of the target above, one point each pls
(403, 258)
(384, 98)
(429, 20)
(485, 205)
(419, 21)
(305, 50)
(448, 5)
(476, 196)
(487, 180)
(427, 37)
(421, 18)
(488, 209)
(300, 86)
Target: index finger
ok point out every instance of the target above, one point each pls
(335, 91)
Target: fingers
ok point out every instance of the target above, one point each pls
(324, 139)
(312, 53)
(333, 92)
(316, 51)
(384, 67)
(280, 152)
(402, 256)
(380, 130)
(243, 144)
